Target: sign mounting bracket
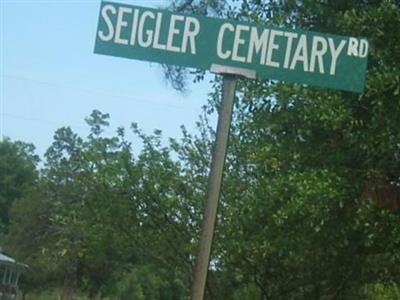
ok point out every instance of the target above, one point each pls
(221, 69)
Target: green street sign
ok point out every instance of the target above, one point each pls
(298, 56)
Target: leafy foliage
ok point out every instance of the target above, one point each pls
(309, 207)
(17, 174)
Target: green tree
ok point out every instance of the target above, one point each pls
(311, 189)
(85, 180)
(99, 212)
(149, 283)
(17, 174)
(311, 172)
(66, 223)
(30, 236)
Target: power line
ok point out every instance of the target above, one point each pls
(49, 122)
(85, 1)
(39, 120)
(164, 2)
(96, 92)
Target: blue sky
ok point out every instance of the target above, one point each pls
(50, 76)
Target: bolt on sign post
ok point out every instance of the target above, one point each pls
(233, 49)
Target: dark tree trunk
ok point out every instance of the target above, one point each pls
(98, 296)
(70, 281)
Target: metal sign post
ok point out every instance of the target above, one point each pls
(215, 176)
(214, 186)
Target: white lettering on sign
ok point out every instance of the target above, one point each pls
(300, 54)
(257, 43)
(363, 52)
(121, 24)
(239, 40)
(190, 34)
(353, 47)
(311, 54)
(271, 47)
(127, 26)
(220, 52)
(290, 36)
(358, 48)
(319, 48)
(172, 32)
(134, 27)
(156, 42)
(238, 43)
(145, 42)
(335, 52)
(104, 14)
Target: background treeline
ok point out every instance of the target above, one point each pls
(311, 196)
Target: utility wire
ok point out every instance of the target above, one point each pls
(44, 121)
(96, 92)
(166, 2)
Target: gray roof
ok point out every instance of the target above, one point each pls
(4, 258)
